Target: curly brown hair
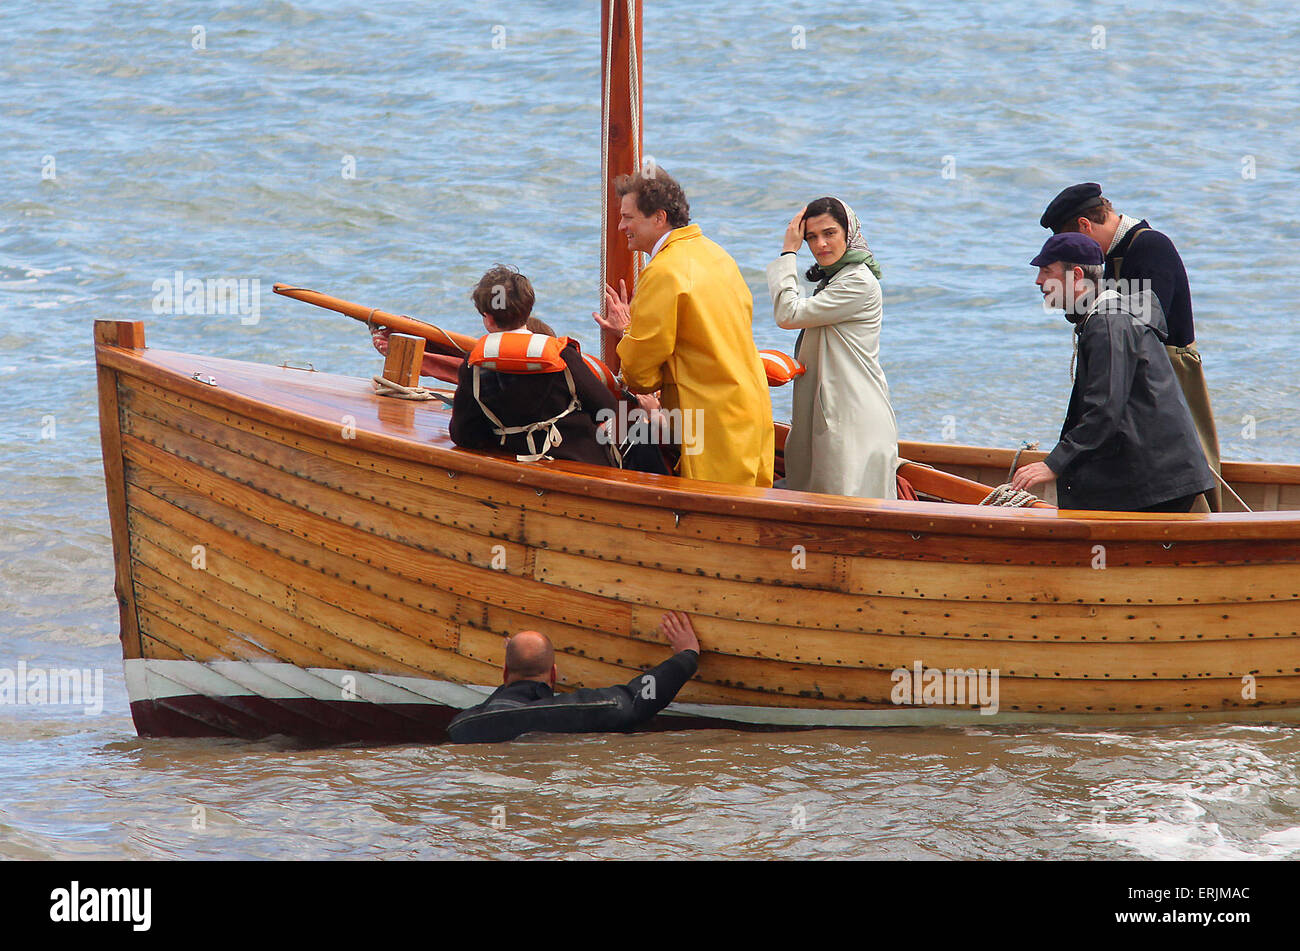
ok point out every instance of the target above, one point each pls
(656, 191)
(505, 295)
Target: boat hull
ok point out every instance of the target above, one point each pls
(296, 555)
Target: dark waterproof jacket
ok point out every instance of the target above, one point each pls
(527, 706)
(1128, 441)
(1148, 255)
(518, 399)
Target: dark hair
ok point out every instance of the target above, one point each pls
(505, 295)
(656, 191)
(828, 206)
(825, 206)
(1097, 214)
(539, 326)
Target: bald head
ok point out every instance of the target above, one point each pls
(529, 656)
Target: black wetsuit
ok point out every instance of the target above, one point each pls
(528, 706)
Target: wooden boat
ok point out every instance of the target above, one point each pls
(295, 554)
(298, 555)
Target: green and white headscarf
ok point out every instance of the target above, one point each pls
(857, 252)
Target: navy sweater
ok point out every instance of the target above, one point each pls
(1152, 256)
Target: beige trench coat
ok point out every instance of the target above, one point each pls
(843, 435)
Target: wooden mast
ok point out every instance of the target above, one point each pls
(620, 149)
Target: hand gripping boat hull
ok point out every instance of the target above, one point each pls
(296, 555)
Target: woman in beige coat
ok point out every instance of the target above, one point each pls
(843, 436)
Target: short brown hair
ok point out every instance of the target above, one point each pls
(1097, 214)
(656, 190)
(505, 295)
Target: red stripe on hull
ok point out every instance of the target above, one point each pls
(316, 721)
(337, 721)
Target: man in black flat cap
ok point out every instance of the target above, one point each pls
(1128, 443)
(1136, 253)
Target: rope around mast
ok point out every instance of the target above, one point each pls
(634, 98)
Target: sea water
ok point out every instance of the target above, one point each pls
(390, 153)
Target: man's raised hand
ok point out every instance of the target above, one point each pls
(677, 630)
(618, 310)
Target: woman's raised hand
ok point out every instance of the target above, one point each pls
(379, 337)
(794, 232)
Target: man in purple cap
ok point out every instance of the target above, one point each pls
(1129, 443)
(1135, 255)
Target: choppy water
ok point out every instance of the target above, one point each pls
(227, 162)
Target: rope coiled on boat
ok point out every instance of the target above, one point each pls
(385, 387)
(1006, 496)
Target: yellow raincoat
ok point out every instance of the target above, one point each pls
(692, 336)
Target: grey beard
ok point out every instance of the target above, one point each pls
(1085, 297)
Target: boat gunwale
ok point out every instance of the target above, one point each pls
(1255, 473)
(581, 479)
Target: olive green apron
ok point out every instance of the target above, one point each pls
(1191, 377)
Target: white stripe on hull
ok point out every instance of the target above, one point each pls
(163, 679)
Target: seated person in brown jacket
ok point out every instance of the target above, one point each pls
(565, 413)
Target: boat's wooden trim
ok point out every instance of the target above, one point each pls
(505, 604)
(480, 505)
(944, 485)
(510, 534)
(398, 636)
(237, 613)
(1260, 487)
(125, 335)
(296, 411)
(991, 458)
(372, 545)
(1080, 619)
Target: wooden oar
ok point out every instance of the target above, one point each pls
(437, 340)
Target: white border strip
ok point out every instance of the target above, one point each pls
(162, 679)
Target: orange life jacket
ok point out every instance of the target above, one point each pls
(781, 368)
(603, 373)
(515, 351)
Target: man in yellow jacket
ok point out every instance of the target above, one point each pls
(688, 332)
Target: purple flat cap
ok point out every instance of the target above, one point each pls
(1069, 247)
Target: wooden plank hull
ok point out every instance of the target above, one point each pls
(302, 557)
